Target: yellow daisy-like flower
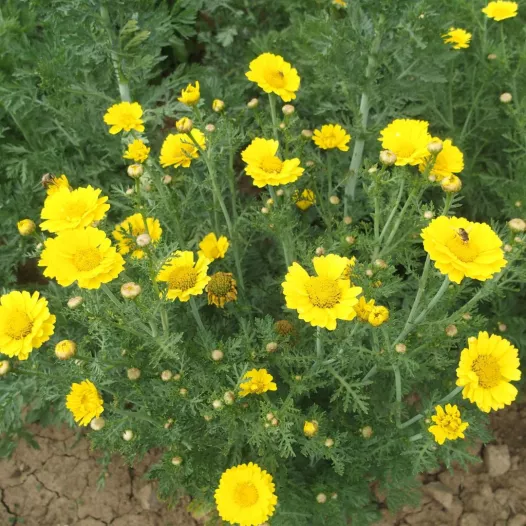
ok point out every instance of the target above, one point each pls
(501, 10)
(332, 136)
(221, 289)
(179, 150)
(363, 308)
(273, 75)
(257, 381)
(378, 315)
(25, 323)
(54, 184)
(246, 495)
(447, 424)
(310, 428)
(407, 139)
(305, 200)
(137, 151)
(459, 38)
(124, 116)
(85, 402)
(69, 210)
(84, 255)
(461, 248)
(321, 300)
(448, 162)
(486, 369)
(183, 276)
(190, 95)
(125, 234)
(213, 248)
(266, 168)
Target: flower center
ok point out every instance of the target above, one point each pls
(220, 284)
(323, 292)
(275, 78)
(487, 369)
(464, 250)
(182, 278)
(450, 423)
(245, 495)
(271, 164)
(87, 259)
(330, 140)
(19, 325)
(73, 209)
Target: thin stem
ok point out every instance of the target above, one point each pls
(393, 210)
(447, 203)
(416, 437)
(329, 176)
(399, 219)
(451, 395)
(272, 105)
(411, 421)
(372, 371)
(111, 296)
(319, 350)
(420, 291)
(376, 219)
(398, 389)
(197, 316)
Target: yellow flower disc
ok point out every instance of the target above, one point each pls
(501, 10)
(448, 162)
(137, 151)
(257, 381)
(459, 38)
(124, 116)
(447, 424)
(213, 248)
(408, 139)
(179, 150)
(25, 323)
(246, 495)
(332, 136)
(486, 368)
(127, 231)
(461, 248)
(190, 95)
(84, 402)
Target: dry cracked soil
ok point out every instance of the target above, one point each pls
(56, 485)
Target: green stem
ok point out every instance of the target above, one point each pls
(416, 437)
(319, 349)
(372, 371)
(398, 389)
(411, 421)
(447, 203)
(329, 177)
(399, 220)
(421, 288)
(197, 316)
(272, 105)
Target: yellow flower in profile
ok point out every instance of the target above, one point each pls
(25, 323)
(257, 381)
(501, 10)
(84, 402)
(462, 249)
(26, 227)
(137, 151)
(447, 424)
(448, 162)
(246, 495)
(363, 308)
(124, 116)
(321, 300)
(273, 75)
(84, 255)
(305, 200)
(310, 428)
(407, 139)
(221, 289)
(332, 136)
(69, 210)
(486, 369)
(126, 232)
(265, 167)
(54, 184)
(184, 277)
(459, 38)
(179, 150)
(378, 315)
(190, 95)
(213, 248)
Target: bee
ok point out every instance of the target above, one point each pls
(463, 235)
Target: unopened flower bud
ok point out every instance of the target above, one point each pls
(380, 263)
(282, 125)
(4, 367)
(26, 227)
(207, 417)
(130, 290)
(310, 164)
(280, 192)
(264, 210)
(253, 103)
(269, 416)
(451, 184)
(334, 496)
(503, 327)
(183, 391)
(176, 377)
(347, 220)
(184, 125)
(451, 330)
(329, 442)
(217, 404)
(271, 347)
(350, 240)
(298, 378)
(307, 134)
(270, 201)
(428, 214)
(320, 251)
(517, 239)
(218, 105)
(167, 179)
(129, 191)
(310, 428)
(143, 240)
(518, 204)
(492, 56)
(367, 432)
(517, 224)
(177, 461)
(387, 157)
(373, 169)
(65, 349)
(467, 316)
(369, 273)
(506, 97)
(229, 397)
(97, 423)
(75, 301)
(217, 355)
(507, 248)
(400, 348)
(288, 109)
(210, 128)
(135, 171)
(133, 373)
(435, 147)
(334, 200)
(127, 435)
(166, 376)
(321, 498)
(274, 422)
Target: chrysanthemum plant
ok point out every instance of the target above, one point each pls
(296, 339)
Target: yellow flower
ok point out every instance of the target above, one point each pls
(125, 234)
(304, 200)
(54, 184)
(448, 162)
(265, 167)
(218, 105)
(213, 248)
(448, 424)
(363, 308)
(137, 151)
(461, 248)
(221, 289)
(486, 369)
(407, 139)
(321, 300)
(310, 428)
(332, 136)
(460, 38)
(273, 75)
(69, 210)
(378, 315)
(190, 95)
(25, 323)
(26, 227)
(184, 125)
(85, 402)
(85, 256)
(246, 495)
(500, 10)
(341, 3)
(124, 116)
(257, 381)
(183, 277)
(179, 150)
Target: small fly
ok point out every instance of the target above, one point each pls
(463, 235)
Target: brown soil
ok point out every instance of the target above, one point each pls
(56, 485)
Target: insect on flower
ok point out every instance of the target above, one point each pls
(463, 234)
